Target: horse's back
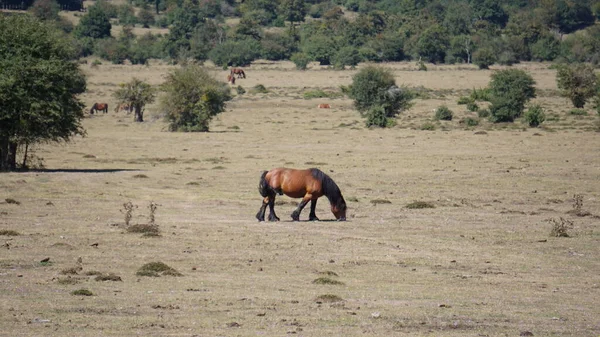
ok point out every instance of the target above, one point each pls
(295, 183)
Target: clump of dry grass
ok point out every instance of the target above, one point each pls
(108, 277)
(328, 273)
(328, 298)
(82, 292)
(560, 227)
(156, 269)
(578, 206)
(67, 280)
(143, 228)
(12, 201)
(327, 281)
(380, 201)
(70, 271)
(9, 232)
(419, 205)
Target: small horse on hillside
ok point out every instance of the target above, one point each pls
(308, 184)
(231, 79)
(239, 72)
(99, 107)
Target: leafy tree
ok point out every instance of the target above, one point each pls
(578, 82)
(193, 97)
(301, 60)
(39, 84)
(268, 7)
(95, 24)
(489, 10)
(248, 28)
(346, 56)
(45, 10)
(112, 50)
(126, 15)
(433, 43)
(458, 18)
(146, 17)
(235, 53)
(319, 48)
(374, 89)
(137, 94)
(205, 37)
(510, 89)
(185, 20)
(293, 11)
(484, 57)
(545, 49)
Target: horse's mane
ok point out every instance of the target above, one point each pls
(330, 188)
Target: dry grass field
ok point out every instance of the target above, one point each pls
(481, 262)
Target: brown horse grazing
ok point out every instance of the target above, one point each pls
(308, 184)
(239, 72)
(231, 79)
(99, 107)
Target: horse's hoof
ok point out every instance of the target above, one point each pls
(313, 219)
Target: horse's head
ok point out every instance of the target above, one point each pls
(339, 210)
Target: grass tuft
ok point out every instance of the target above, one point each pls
(328, 298)
(82, 292)
(108, 277)
(419, 205)
(380, 201)
(12, 201)
(560, 227)
(156, 269)
(143, 228)
(9, 232)
(327, 281)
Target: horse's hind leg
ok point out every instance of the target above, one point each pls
(272, 215)
(312, 216)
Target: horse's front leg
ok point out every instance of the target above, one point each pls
(313, 205)
(298, 210)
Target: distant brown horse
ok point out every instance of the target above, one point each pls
(239, 72)
(308, 184)
(231, 79)
(99, 107)
(324, 106)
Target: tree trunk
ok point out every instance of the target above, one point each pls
(4, 166)
(139, 114)
(12, 155)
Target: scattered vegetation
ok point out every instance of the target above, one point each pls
(127, 210)
(578, 206)
(578, 112)
(534, 116)
(9, 232)
(444, 113)
(82, 292)
(156, 269)
(327, 281)
(420, 205)
(259, 89)
(380, 201)
(109, 277)
(427, 126)
(328, 298)
(560, 227)
(472, 106)
(12, 201)
(470, 121)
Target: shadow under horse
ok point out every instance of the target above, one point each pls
(309, 184)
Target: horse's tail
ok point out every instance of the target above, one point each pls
(92, 109)
(263, 186)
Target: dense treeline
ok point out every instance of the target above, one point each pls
(344, 32)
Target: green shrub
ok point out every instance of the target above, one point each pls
(470, 121)
(375, 87)
(472, 106)
(484, 58)
(577, 82)
(156, 269)
(578, 112)
(346, 56)
(319, 48)
(428, 126)
(376, 116)
(534, 116)
(146, 17)
(240, 90)
(510, 89)
(465, 99)
(483, 94)
(193, 97)
(259, 89)
(301, 60)
(483, 113)
(235, 53)
(95, 24)
(82, 292)
(111, 50)
(443, 113)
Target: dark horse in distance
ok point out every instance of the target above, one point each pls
(99, 107)
(310, 185)
(239, 72)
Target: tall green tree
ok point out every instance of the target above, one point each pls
(39, 86)
(293, 11)
(95, 24)
(137, 94)
(578, 82)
